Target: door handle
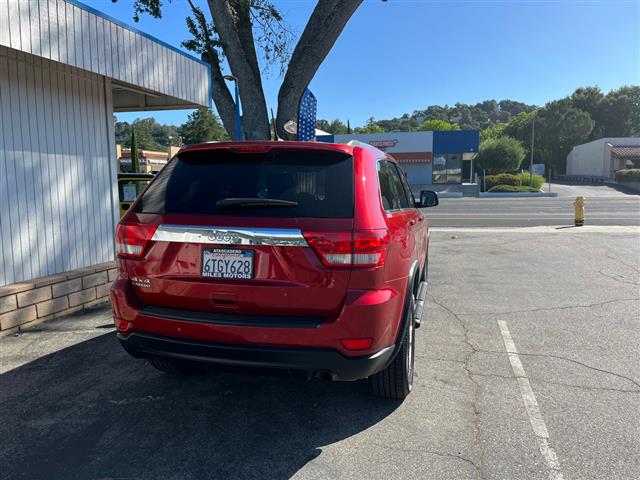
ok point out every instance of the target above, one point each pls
(412, 222)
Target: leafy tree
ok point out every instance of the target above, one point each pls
(338, 127)
(323, 125)
(122, 132)
(234, 31)
(150, 134)
(588, 99)
(616, 114)
(334, 127)
(520, 129)
(619, 113)
(632, 95)
(202, 126)
(513, 108)
(494, 131)
(500, 154)
(370, 127)
(559, 127)
(434, 125)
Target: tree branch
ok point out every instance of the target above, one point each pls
(325, 25)
(241, 61)
(225, 105)
(205, 44)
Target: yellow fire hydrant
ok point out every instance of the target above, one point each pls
(579, 206)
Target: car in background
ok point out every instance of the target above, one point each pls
(297, 255)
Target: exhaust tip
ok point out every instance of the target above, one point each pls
(323, 375)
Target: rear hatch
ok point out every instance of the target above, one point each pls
(228, 232)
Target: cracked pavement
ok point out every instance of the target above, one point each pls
(75, 406)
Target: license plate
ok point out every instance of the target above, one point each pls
(227, 263)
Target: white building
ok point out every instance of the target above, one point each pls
(600, 159)
(64, 70)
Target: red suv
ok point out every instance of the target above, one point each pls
(305, 256)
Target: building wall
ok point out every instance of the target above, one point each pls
(587, 159)
(77, 35)
(405, 141)
(57, 179)
(593, 159)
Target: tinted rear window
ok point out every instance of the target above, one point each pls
(320, 182)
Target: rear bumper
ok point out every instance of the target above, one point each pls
(142, 345)
(374, 314)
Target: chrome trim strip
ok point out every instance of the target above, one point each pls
(277, 237)
(381, 352)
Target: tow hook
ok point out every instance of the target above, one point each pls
(419, 305)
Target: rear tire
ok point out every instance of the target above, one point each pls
(395, 381)
(167, 366)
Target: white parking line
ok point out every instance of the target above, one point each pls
(531, 404)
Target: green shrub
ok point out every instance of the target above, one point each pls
(503, 153)
(538, 180)
(512, 188)
(501, 179)
(628, 175)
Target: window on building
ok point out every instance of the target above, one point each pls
(447, 168)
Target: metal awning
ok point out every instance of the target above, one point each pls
(146, 73)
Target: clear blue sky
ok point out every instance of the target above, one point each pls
(403, 55)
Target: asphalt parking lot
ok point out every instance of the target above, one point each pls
(564, 406)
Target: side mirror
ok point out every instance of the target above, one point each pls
(427, 199)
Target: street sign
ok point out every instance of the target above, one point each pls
(537, 169)
(307, 116)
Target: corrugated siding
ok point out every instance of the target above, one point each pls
(56, 173)
(62, 31)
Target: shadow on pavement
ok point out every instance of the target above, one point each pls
(92, 412)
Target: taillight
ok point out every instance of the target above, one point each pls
(361, 248)
(370, 247)
(357, 343)
(132, 240)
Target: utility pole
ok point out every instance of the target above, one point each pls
(533, 137)
(238, 135)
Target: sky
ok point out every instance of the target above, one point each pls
(398, 56)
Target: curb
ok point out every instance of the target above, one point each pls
(450, 195)
(517, 194)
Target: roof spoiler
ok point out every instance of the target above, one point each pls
(358, 143)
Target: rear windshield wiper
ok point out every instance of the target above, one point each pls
(253, 202)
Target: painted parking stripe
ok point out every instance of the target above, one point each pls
(531, 404)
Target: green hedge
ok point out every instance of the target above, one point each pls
(512, 188)
(501, 179)
(628, 175)
(538, 180)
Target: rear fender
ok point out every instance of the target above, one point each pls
(406, 314)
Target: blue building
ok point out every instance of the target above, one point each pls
(428, 158)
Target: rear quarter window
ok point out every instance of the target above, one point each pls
(319, 182)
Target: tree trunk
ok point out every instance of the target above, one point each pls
(243, 62)
(323, 29)
(221, 96)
